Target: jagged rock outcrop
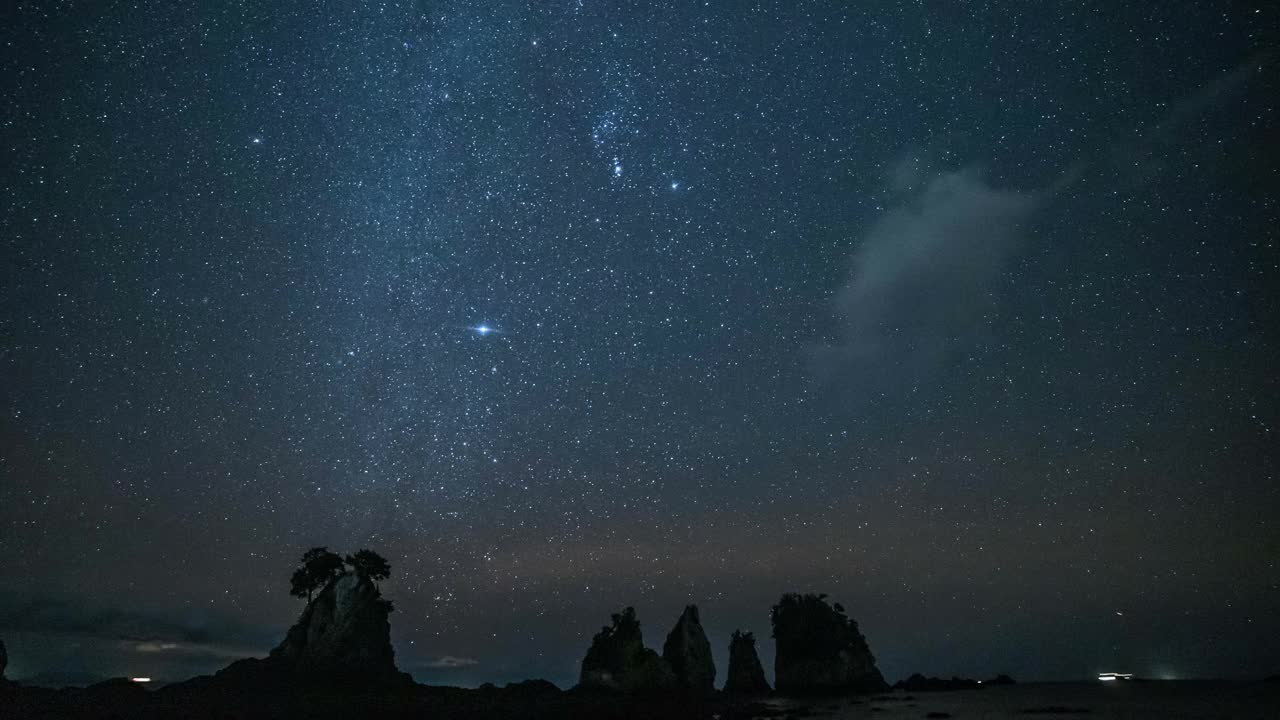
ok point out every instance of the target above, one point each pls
(4, 659)
(819, 649)
(688, 653)
(618, 660)
(342, 637)
(746, 674)
(343, 633)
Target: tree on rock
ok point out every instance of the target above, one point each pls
(819, 649)
(369, 565)
(319, 568)
(746, 674)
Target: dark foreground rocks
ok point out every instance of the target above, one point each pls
(520, 701)
(919, 683)
(820, 650)
(746, 674)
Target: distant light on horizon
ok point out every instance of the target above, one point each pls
(140, 679)
(1113, 676)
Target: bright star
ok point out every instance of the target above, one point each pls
(617, 168)
(675, 186)
(482, 329)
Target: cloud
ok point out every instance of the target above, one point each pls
(923, 279)
(449, 662)
(151, 646)
(143, 630)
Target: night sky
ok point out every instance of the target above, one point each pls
(967, 314)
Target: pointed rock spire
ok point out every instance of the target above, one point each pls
(689, 653)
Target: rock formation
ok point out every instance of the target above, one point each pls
(4, 659)
(746, 674)
(618, 659)
(689, 654)
(819, 649)
(342, 637)
(920, 683)
(344, 632)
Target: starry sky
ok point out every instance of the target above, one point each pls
(964, 313)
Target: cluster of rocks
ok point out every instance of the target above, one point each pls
(618, 659)
(819, 650)
(343, 638)
(919, 683)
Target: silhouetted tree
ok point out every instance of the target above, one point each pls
(319, 568)
(369, 565)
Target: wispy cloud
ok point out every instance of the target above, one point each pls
(449, 662)
(141, 630)
(923, 278)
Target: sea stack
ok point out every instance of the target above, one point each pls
(820, 650)
(689, 654)
(746, 674)
(342, 638)
(618, 660)
(343, 633)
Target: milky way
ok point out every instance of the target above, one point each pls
(964, 315)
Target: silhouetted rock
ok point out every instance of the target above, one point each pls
(819, 649)
(618, 660)
(746, 674)
(343, 634)
(342, 638)
(117, 690)
(4, 659)
(920, 683)
(689, 654)
(1000, 679)
(532, 688)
